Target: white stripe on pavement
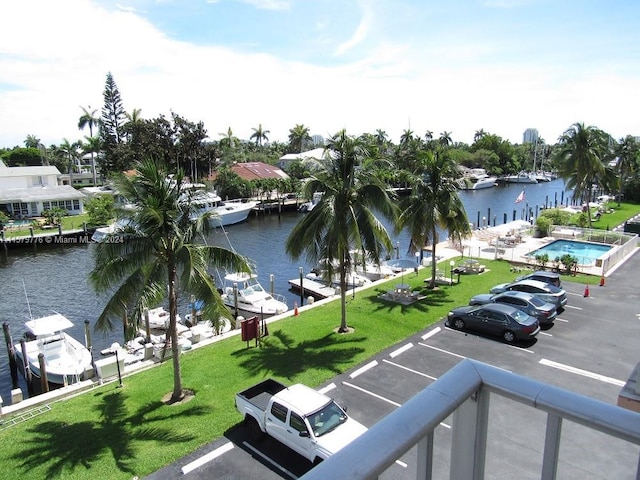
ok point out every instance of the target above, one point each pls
(441, 350)
(402, 349)
(410, 370)
(207, 458)
(584, 373)
(431, 333)
(361, 370)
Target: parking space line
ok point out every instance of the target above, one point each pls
(576, 294)
(368, 392)
(402, 464)
(361, 370)
(558, 319)
(275, 464)
(573, 307)
(207, 458)
(402, 349)
(584, 373)
(328, 388)
(431, 333)
(546, 334)
(441, 350)
(410, 370)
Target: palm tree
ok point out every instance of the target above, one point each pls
(433, 202)
(70, 152)
(479, 134)
(580, 155)
(299, 138)
(406, 137)
(32, 141)
(160, 254)
(345, 217)
(228, 140)
(445, 139)
(259, 134)
(89, 119)
(628, 153)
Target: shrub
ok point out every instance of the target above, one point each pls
(543, 224)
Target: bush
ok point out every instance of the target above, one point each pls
(556, 216)
(543, 224)
(100, 209)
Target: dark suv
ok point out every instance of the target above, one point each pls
(551, 278)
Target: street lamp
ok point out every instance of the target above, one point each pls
(451, 265)
(417, 262)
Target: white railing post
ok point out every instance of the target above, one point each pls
(551, 447)
(469, 437)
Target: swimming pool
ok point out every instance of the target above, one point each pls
(586, 252)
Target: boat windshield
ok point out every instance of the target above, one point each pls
(326, 419)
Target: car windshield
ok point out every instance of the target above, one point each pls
(326, 419)
(520, 317)
(553, 289)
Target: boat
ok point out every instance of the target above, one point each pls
(66, 360)
(244, 296)
(478, 179)
(353, 279)
(308, 206)
(522, 177)
(367, 268)
(226, 212)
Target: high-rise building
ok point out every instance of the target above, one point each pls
(530, 135)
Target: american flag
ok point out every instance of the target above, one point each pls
(520, 197)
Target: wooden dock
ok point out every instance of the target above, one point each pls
(313, 288)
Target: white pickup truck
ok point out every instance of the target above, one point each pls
(301, 418)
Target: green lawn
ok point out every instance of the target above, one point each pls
(71, 222)
(616, 215)
(113, 432)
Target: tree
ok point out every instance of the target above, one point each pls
(259, 135)
(580, 153)
(160, 255)
(111, 128)
(32, 142)
(299, 138)
(628, 153)
(445, 139)
(70, 152)
(433, 202)
(89, 119)
(100, 209)
(345, 218)
(479, 134)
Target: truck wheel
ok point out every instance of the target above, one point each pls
(255, 434)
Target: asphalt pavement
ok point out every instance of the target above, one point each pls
(591, 349)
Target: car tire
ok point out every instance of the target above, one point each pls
(458, 324)
(508, 336)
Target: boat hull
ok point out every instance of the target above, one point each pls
(231, 213)
(66, 360)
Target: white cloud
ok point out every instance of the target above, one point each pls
(270, 4)
(361, 31)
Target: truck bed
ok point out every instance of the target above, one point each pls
(259, 394)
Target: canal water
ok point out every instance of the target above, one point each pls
(36, 282)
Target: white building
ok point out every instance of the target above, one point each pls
(530, 135)
(315, 154)
(27, 191)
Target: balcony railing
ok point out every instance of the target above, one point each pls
(465, 391)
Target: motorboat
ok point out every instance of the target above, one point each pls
(353, 279)
(522, 177)
(308, 206)
(367, 268)
(243, 293)
(66, 360)
(226, 212)
(478, 179)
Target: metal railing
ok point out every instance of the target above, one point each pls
(465, 391)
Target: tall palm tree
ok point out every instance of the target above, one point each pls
(299, 138)
(259, 134)
(445, 139)
(32, 141)
(228, 140)
(628, 153)
(70, 152)
(479, 134)
(89, 119)
(433, 202)
(345, 218)
(581, 151)
(161, 253)
(406, 137)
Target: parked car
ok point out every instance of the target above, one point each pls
(546, 292)
(551, 278)
(505, 321)
(544, 311)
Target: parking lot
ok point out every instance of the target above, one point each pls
(591, 349)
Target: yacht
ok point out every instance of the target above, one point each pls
(478, 179)
(226, 212)
(243, 293)
(522, 177)
(66, 360)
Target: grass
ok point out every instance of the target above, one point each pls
(616, 215)
(70, 222)
(113, 433)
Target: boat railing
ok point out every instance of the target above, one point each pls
(279, 297)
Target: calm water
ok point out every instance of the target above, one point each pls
(55, 278)
(586, 253)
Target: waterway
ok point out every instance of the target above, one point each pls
(54, 278)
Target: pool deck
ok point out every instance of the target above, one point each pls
(512, 241)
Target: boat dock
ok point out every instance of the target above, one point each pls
(313, 288)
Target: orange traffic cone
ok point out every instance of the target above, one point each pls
(295, 309)
(602, 281)
(586, 290)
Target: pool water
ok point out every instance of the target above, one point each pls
(587, 253)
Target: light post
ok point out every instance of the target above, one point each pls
(397, 250)
(451, 265)
(116, 347)
(301, 289)
(417, 262)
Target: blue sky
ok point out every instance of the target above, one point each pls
(455, 66)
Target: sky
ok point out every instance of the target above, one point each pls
(453, 66)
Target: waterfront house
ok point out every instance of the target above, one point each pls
(25, 192)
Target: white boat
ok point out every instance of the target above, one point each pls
(66, 359)
(522, 177)
(478, 179)
(242, 292)
(353, 279)
(308, 206)
(226, 212)
(368, 268)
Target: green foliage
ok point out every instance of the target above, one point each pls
(229, 185)
(569, 262)
(23, 157)
(543, 224)
(582, 220)
(100, 209)
(4, 218)
(542, 259)
(54, 215)
(556, 216)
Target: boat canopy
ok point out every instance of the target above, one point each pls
(48, 326)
